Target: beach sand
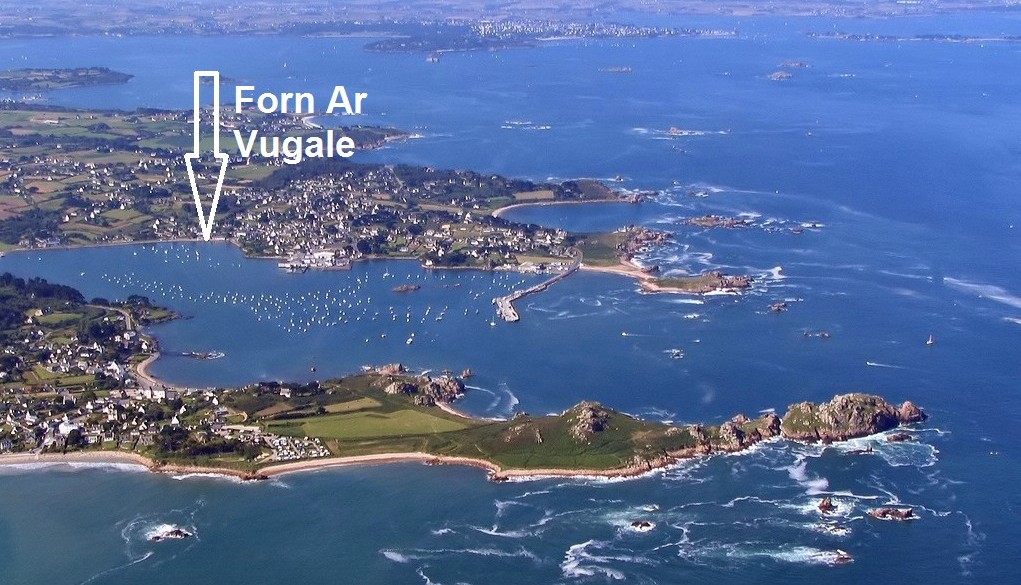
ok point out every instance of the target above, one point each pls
(495, 471)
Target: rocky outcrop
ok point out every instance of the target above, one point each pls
(847, 416)
(391, 369)
(826, 505)
(899, 438)
(892, 513)
(908, 413)
(717, 221)
(169, 533)
(400, 387)
(445, 389)
(732, 437)
(637, 239)
(715, 280)
(426, 390)
(642, 525)
(587, 419)
(739, 433)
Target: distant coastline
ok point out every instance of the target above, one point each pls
(41, 79)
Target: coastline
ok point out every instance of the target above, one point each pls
(117, 243)
(622, 269)
(498, 212)
(647, 282)
(495, 472)
(801, 424)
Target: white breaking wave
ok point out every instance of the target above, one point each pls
(987, 291)
(750, 551)
(422, 554)
(684, 301)
(799, 473)
(578, 562)
(395, 556)
(70, 466)
(896, 454)
(495, 531)
(882, 365)
(125, 565)
(216, 476)
(425, 578)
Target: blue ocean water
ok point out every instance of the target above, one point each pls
(905, 155)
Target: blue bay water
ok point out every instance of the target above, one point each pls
(910, 167)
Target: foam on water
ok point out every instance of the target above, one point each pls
(425, 578)
(579, 562)
(912, 453)
(395, 556)
(207, 476)
(988, 291)
(71, 466)
(799, 473)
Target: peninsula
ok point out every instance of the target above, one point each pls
(389, 414)
(88, 177)
(47, 79)
(615, 253)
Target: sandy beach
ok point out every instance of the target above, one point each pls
(76, 457)
(496, 473)
(500, 211)
(621, 269)
(450, 409)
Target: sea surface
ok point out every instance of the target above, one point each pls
(897, 162)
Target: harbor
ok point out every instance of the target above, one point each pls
(505, 304)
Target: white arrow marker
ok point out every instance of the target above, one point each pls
(206, 221)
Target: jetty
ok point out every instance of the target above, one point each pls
(505, 304)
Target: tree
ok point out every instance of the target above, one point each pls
(76, 439)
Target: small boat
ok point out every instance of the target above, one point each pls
(410, 339)
(931, 341)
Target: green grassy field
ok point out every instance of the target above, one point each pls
(600, 249)
(365, 424)
(353, 405)
(59, 319)
(543, 195)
